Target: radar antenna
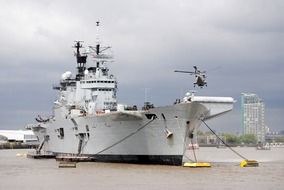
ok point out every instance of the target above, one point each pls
(97, 51)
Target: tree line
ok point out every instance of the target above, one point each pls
(238, 139)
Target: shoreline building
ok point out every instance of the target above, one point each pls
(252, 111)
(23, 136)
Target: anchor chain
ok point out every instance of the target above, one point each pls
(224, 141)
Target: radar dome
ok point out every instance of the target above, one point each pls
(66, 75)
(86, 72)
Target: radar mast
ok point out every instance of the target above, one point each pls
(81, 60)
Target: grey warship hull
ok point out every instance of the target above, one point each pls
(130, 136)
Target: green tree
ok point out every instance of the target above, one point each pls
(279, 139)
(200, 133)
(248, 139)
(231, 139)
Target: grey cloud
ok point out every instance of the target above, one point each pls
(242, 39)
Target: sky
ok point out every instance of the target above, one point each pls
(239, 43)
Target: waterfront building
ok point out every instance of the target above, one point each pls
(24, 136)
(252, 111)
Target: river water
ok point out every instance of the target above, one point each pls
(21, 173)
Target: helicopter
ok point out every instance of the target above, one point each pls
(199, 76)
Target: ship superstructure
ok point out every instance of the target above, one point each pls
(88, 121)
(93, 89)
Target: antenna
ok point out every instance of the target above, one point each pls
(98, 38)
(98, 32)
(145, 94)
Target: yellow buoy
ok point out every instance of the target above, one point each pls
(197, 164)
(249, 163)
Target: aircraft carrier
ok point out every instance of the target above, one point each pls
(87, 121)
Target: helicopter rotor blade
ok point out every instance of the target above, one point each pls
(190, 72)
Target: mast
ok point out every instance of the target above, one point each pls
(98, 42)
(81, 60)
(98, 51)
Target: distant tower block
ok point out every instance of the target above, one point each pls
(252, 109)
